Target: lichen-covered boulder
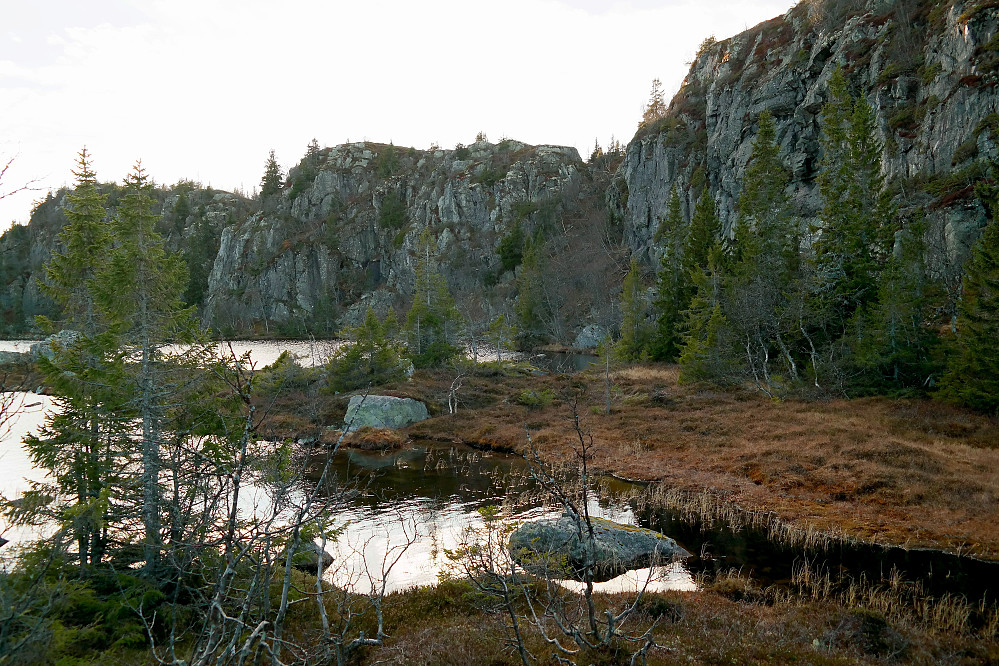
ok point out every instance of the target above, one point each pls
(382, 411)
(552, 547)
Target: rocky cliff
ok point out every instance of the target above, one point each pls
(343, 232)
(928, 69)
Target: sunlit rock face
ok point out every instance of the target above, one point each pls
(928, 70)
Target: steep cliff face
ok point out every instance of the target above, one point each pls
(928, 69)
(343, 233)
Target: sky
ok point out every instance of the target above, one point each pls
(204, 89)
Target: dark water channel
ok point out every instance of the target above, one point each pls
(443, 486)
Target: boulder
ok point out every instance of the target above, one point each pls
(590, 337)
(383, 411)
(47, 347)
(551, 547)
(307, 557)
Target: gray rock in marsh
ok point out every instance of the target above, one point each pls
(383, 411)
(552, 547)
(46, 347)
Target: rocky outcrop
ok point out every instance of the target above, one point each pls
(344, 233)
(929, 70)
(382, 411)
(552, 547)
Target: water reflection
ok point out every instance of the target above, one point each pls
(412, 506)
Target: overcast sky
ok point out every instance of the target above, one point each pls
(203, 89)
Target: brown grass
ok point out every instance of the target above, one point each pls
(905, 472)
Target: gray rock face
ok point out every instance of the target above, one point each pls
(932, 121)
(383, 411)
(46, 348)
(333, 241)
(552, 547)
(591, 336)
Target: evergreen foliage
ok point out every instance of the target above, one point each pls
(655, 108)
(530, 305)
(87, 240)
(894, 349)
(635, 331)
(270, 183)
(972, 377)
(433, 324)
(373, 356)
(856, 216)
(511, 247)
(674, 288)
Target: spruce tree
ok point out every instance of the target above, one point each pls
(270, 183)
(635, 333)
(856, 214)
(433, 325)
(674, 288)
(529, 306)
(86, 240)
(141, 288)
(706, 352)
(765, 268)
(893, 346)
(81, 442)
(972, 377)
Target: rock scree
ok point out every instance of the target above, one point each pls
(382, 411)
(552, 546)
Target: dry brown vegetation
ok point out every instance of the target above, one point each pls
(906, 472)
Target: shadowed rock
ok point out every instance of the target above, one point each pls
(307, 557)
(552, 547)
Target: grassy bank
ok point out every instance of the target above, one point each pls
(907, 472)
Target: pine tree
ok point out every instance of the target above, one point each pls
(673, 285)
(635, 334)
(86, 239)
(433, 325)
(972, 376)
(655, 109)
(141, 288)
(270, 183)
(856, 214)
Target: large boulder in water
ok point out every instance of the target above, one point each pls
(552, 547)
(383, 411)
